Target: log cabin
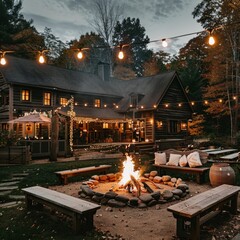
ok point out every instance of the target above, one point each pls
(106, 109)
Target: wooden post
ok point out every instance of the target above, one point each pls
(54, 137)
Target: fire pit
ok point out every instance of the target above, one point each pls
(131, 188)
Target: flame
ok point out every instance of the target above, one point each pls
(128, 170)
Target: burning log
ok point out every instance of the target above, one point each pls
(147, 187)
(137, 185)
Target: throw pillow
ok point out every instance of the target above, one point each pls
(194, 160)
(183, 161)
(173, 159)
(160, 158)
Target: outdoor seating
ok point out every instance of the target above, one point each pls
(79, 210)
(201, 208)
(64, 175)
(199, 171)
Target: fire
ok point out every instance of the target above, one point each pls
(128, 170)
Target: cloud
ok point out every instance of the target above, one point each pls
(64, 30)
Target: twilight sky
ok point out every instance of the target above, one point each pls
(69, 19)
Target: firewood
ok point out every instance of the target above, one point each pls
(147, 187)
(137, 185)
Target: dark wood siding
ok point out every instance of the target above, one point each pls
(166, 116)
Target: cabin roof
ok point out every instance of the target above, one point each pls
(30, 73)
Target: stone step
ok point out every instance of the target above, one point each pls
(10, 204)
(8, 183)
(4, 193)
(13, 179)
(8, 188)
(17, 197)
(20, 174)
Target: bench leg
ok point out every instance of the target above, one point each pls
(233, 207)
(195, 228)
(200, 178)
(29, 202)
(188, 231)
(82, 223)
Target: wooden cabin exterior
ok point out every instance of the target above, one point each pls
(106, 109)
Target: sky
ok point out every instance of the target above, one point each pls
(69, 19)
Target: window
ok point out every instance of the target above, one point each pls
(134, 101)
(174, 126)
(63, 101)
(25, 95)
(47, 98)
(97, 103)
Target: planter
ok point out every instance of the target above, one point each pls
(221, 173)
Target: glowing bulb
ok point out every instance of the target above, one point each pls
(211, 40)
(41, 59)
(164, 43)
(80, 55)
(3, 61)
(120, 54)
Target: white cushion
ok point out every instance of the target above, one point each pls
(160, 158)
(173, 159)
(183, 161)
(194, 160)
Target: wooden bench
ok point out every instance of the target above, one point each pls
(232, 156)
(193, 212)
(64, 175)
(199, 172)
(79, 210)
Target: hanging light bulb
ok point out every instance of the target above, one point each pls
(41, 59)
(80, 54)
(164, 42)
(2, 57)
(120, 54)
(3, 60)
(211, 40)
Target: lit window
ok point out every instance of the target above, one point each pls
(63, 101)
(105, 125)
(47, 98)
(25, 95)
(97, 103)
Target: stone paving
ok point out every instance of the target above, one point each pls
(6, 188)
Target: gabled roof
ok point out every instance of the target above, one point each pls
(152, 88)
(31, 73)
(27, 72)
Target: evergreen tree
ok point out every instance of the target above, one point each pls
(131, 35)
(16, 33)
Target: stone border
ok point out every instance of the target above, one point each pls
(113, 199)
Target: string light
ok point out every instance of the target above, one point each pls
(80, 54)
(164, 42)
(211, 40)
(80, 51)
(41, 58)
(2, 57)
(120, 53)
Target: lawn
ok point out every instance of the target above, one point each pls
(18, 223)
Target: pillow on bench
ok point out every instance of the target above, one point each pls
(174, 159)
(194, 160)
(183, 162)
(160, 158)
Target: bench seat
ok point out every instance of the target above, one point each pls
(79, 210)
(201, 208)
(198, 171)
(64, 175)
(232, 156)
